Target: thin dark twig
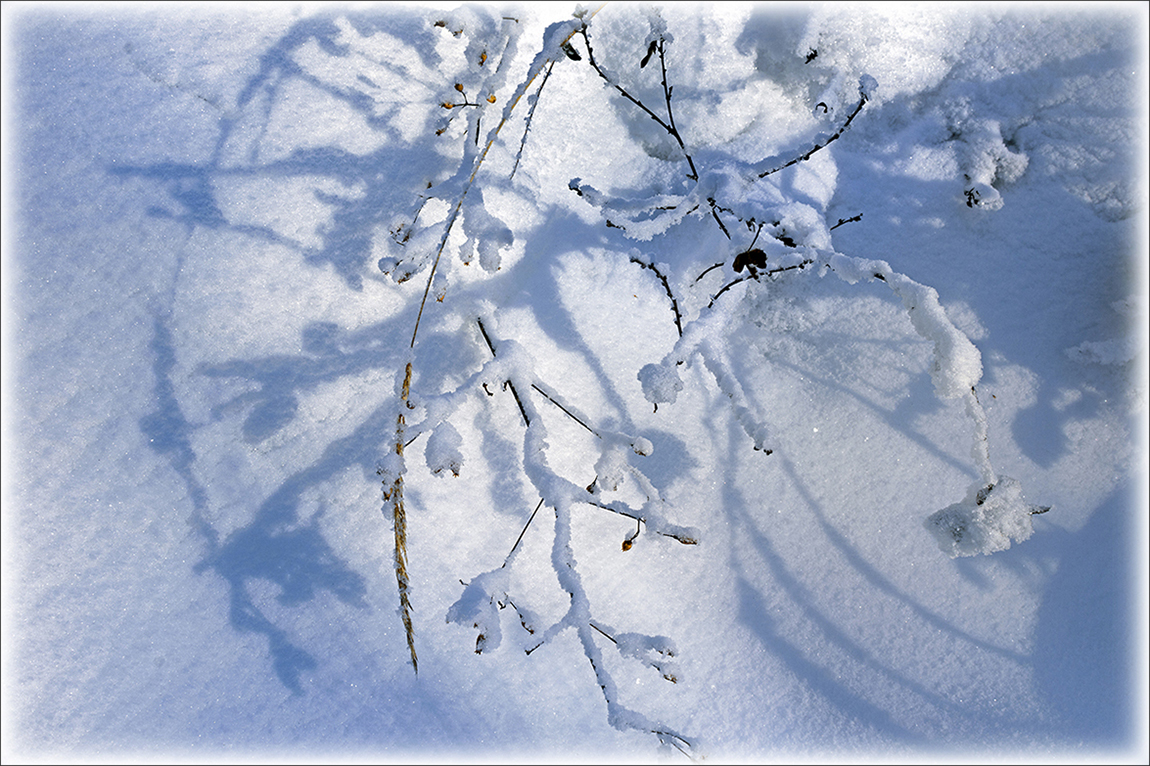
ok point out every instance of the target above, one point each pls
(569, 413)
(715, 213)
(669, 127)
(758, 231)
(846, 220)
(634, 515)
(756, 275)
(709, 268)
(694, 176)
(521, 533)
(667, 287)
(530, 114)
(727, 287)
(603, 632)
(793, 266)
(518, 401)
(807, 156)
(535, 386)
(506, 383)
(486, 337)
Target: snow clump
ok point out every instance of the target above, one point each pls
(986, 521)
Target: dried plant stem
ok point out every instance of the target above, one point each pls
(399, 514)
(399, 522)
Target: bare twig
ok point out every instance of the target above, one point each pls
(756, 274)
(694, 175)
(715, 212)
(727, 287)
(521, 533)
(846, 220)
(530, 114)
(703, 273)
(817, 147)
(667, 126)
(667, 287)
(570, 414)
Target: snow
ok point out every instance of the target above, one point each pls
(652, 506)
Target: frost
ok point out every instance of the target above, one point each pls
(986, 521)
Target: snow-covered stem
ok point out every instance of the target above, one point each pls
(980, 446)
(480, 596)
(618, 715)
(685, 535)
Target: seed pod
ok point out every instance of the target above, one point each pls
(650, 51)
(756, 258)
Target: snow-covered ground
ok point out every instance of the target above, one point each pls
(210, 215)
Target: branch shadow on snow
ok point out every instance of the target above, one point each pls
(1084, 656)
(347, 239)
(992, 258)
(671, 459)
(835, 679)
(279, 545)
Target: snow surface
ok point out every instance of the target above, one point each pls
(221, 224)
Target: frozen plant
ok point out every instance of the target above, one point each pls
(727, 224)
(771, 213)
